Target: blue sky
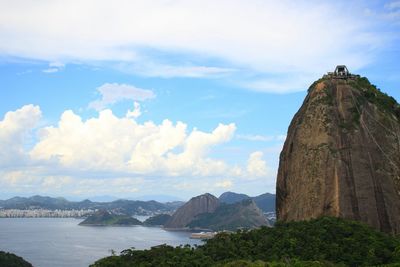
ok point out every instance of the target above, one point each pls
(131, 98)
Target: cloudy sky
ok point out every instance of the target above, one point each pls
(169, 97)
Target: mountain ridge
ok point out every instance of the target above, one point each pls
(266, 201)
(128, 207)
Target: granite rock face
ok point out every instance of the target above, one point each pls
(205, 203)
(342, 156)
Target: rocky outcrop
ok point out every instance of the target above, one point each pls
(206, 203)
(342, 156)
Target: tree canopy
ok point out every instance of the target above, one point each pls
(320, 242)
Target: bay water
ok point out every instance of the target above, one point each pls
(61, 242)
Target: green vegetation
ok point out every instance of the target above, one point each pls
(159, 219)
(11, 260)
(243, 214)
(104, 218)
(373, 95)
(287, 263)
(320, 242)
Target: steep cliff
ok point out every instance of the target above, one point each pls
(206, 203)
(342, 156)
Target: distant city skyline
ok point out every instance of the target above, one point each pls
(136, 98)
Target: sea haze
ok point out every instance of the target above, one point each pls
(50, 242)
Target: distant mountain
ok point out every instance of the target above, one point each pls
(128, 207)
(266, 202)
(105, 198)
(231, 197)
(105, 218)
(157, 220)
(206, 203)
(159, 198)
(243, 214)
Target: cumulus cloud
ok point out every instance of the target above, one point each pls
(256, 166)
(121, 144)
(264, 37)
(15, 129)
(110, 154)
(112, 93)
(135, 113)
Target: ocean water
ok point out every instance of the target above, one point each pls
(53, 242)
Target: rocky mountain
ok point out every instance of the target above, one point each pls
(244, 214)
(266, 202)
(231, 197)
(105, 218)
(128, 207)
(206, 203)
(342, 156)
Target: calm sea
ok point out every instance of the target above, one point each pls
(53, 242)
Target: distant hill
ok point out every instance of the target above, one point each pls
(157, 220)
(159, 198)
(12, 260)
(105, 218)
(205, 203)
(104, 198)
(266, 202)
(207, 212)
(231, 197)
(243, 214)
(128, 207)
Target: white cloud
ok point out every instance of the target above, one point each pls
(225, 184)
(170, 71)
(33, 182)
(115, 155)
(262, 37)
(112, 93)
(256, 166)
(135, 113)
(15, 129)
(121, 144)
(54, 67)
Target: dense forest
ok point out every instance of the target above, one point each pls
(320, 242)
(12, 260)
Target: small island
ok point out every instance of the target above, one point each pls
(105, 218)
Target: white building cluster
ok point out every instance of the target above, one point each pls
(44, 213)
